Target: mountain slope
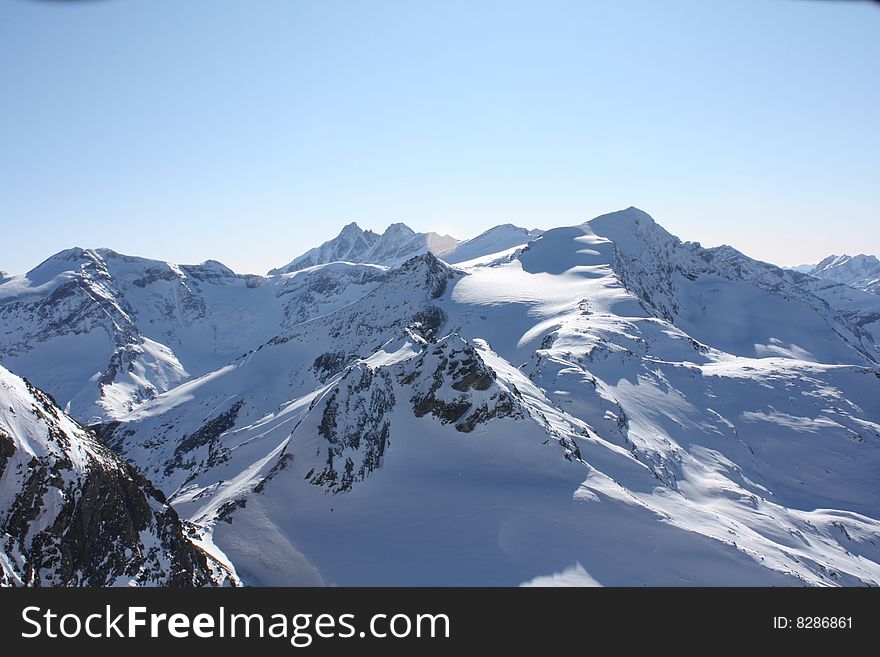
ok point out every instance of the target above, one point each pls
(733, 302)
(73, 514)
(186, 425)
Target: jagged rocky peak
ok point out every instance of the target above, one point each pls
(351, 229)
(355, 236)
(74, 514)
(350, 245)
(398, 230)
(396, 244)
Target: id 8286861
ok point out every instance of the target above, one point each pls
(812, 622)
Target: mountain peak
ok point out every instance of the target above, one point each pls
(351, 228)
(398, 229)
(495, 240)
(630, 215)
(860, 271)
(66, 260)
(210, 271)
(79, 254)
(428, 271)
(632, 230)
(425, 262)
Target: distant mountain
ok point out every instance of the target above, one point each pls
(397, 244)
(495, 240)
(861, 272)
(72, 513)
(601, 399)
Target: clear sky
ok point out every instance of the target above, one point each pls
(250, 131)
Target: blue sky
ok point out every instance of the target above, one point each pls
(250, 131)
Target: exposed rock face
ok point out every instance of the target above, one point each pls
(453, 384)
(447, 381)
(427, 269)
(208, 437)
(310, 292)
(356, 424)
(330, 363)
(74, 514)
(663, 272)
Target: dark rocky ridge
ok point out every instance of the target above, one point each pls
(79, 515)
(448, 381)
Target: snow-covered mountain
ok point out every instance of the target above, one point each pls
(861, 271)
(399, 243)
(396, 245)
(496, 240)
(104, 331)
(602, 399)
(72, 513)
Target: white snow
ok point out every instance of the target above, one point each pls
(861, 272)
(573, 576)
(679, 415)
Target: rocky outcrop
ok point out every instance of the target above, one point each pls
(448, 381)
(73, 514)
(356, 425)
(188, 455)
(454, 385)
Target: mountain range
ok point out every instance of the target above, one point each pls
(399, 243)
(602, 403)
